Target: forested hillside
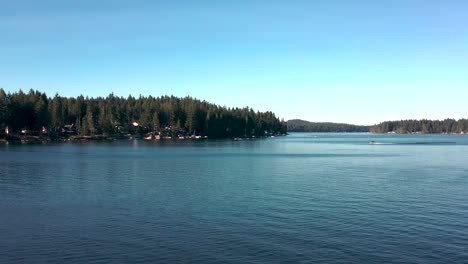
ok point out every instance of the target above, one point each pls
(422, 126)
(297, 125)
(35, 112)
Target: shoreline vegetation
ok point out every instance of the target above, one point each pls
(297, 125)
(34, 117)
(446, 126)
(424, 126)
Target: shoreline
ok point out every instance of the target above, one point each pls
(118, 138)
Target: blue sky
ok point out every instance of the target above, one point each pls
(359, 62)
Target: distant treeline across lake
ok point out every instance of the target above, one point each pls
(447, 126)
(36, 114)
(297, 125)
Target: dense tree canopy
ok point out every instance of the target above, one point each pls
(105, 116)
(422, 126)
(297, 125)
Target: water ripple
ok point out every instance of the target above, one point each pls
(272, 201)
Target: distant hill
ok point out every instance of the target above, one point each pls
(297, 125)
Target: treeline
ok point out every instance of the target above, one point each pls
(169, 115)
(422, 126)
(297, 125)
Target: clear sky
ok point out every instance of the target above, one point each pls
(351, 61)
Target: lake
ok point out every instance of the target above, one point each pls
(303, 198)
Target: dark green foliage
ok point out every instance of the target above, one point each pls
(297, 125)
(25, 110)
(166, 115)
(422, 126)
(4, 114)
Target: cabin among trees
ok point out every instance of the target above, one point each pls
(166, 115)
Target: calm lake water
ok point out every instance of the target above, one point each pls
(304, 198)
